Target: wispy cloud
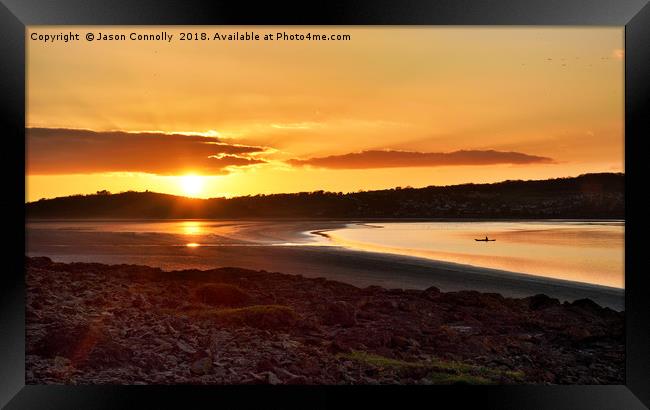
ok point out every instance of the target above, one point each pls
(296, 125)
(74, 151)
(395, 159)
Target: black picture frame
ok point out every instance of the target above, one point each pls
(15, 15)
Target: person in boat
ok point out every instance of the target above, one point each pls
(485, 240)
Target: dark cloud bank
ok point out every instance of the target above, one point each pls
(73, 151)
(390, 159)
(63, 151)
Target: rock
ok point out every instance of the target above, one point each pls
(431, 293)
(266, 364)
(362, 302)
(168, 303)
(258, 378)
(588, 305)
(503, 361)
(138, 301)
(541, 301)
(340, 313)
(107, 353)
(366, 315)
(548, 377)
(32, 315)
(62, 340)
(171, 360)
(185, 347)
(202, 366)
(39, 262)
(372, 290)
(308, 324)
(96, 301)
(271, 378)
(339, 346)
(387, 304)
(219, 372)
(291, 378)
(221, 294)
(70, 310)
(162, 345)
(577, 333)
(60, 363)
(407, 306)
(399, 342)
(309, 366)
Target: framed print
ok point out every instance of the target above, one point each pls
(316, 205)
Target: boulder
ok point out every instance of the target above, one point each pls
(372, 290)
(577, 333)
(399, 342)
(202, 366)
(221, 294)
(62, 339)
(407, 306)
(340, 313)
(431, 293)
(541, 302)
(588, 305)
(185, 347)
(38, 262)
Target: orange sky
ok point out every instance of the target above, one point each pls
(389, 107)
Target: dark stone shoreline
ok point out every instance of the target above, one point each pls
(89, 323)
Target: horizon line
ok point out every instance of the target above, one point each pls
(107, 193)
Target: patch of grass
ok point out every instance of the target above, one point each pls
(446, 378)
(440, 371)
(485, 372)
(260, 316)
(515, 374)
(380, 361)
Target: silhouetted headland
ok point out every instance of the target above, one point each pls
(589, 196)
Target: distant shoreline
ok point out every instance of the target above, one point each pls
(598, 195)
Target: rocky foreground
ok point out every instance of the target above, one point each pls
(90, 323)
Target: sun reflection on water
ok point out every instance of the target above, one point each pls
(192, 228)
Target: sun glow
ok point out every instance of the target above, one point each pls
(192, 184)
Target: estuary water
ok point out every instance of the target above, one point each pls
(583, 251)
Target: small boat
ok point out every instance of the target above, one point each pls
(485, 240)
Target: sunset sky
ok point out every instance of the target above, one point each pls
(389, 107)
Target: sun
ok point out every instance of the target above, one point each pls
(192, 184)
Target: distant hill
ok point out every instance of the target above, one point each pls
(586, 196)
